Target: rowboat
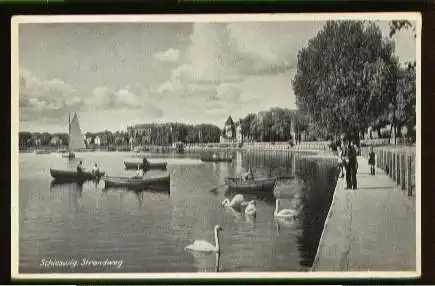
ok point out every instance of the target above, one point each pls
(135, 165)
(211, 159)
(136, 182)
(72, 176)
(264, 185)
(41, 152)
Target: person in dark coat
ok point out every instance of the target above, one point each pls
(353, 164)
(80, 168)
(145, 163)
(372, 161)
(346, 148)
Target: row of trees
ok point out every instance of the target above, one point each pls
(348, 79)
(273, 125)
(163, 134)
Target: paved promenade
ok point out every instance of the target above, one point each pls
(372, 228)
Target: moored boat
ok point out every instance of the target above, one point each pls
(41, 152)
(265, 185)
(73, 176)
(136, 182)
(135, 165)
(216, 159)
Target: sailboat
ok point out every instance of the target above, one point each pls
(76, 141)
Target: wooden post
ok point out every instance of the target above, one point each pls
(399, 173)
(403, 171)
(409, 176)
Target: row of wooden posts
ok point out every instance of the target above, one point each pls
(399, 166)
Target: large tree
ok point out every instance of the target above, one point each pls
(346, 76)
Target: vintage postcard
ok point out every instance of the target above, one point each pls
(204, 146)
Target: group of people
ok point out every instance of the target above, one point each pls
(95, 169)
(347, 160)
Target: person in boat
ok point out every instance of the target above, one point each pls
(139, 172)
(95, 170)
(80, 168)
(145, 163)
(249, 175)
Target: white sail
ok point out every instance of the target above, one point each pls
(76, 139)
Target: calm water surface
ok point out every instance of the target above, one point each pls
(148, 231)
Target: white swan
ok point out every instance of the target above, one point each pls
(250, 209)
(284, 213)
(204, 246)
(237, 201)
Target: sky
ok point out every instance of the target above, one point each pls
(119, 74)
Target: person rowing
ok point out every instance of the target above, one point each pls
(249, 175)
(145, 163)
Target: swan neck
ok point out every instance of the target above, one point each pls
(216, 239)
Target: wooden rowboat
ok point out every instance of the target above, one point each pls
(73, 176)
(239, 185)
(211, 159)
(136, 182)
(134, 165)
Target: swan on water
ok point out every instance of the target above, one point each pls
(284, 213)
(237, 201)
(250, 209)
(204, 246)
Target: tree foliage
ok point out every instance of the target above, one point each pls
(272, 125)
(345, 76)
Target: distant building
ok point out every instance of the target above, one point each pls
(239, 135)
(228, 134)
(97, 140)
(56, 140)
(152, 134)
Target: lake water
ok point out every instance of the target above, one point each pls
(148, 231)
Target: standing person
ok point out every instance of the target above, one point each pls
(340, 161)
(347, 165)
(95, 170)
(80, 168)
(353, 164)
(372, 161)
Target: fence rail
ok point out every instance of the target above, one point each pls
(398, 163)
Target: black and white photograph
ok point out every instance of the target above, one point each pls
(216, 146)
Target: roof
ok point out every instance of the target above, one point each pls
(229, 121)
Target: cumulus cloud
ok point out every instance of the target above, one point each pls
(222, 61)
(45, 100)
(170, 55)
(104, 97)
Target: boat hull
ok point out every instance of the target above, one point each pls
(137, 183)
(68, 155)
(42, 152)
(211, 159)
(263, 185)
(73, 176)
(155, 166)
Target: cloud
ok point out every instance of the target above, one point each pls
(222, 61)
(170, 55)
(106, 98)
(45, 100)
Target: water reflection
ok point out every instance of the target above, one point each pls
(74, 190)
